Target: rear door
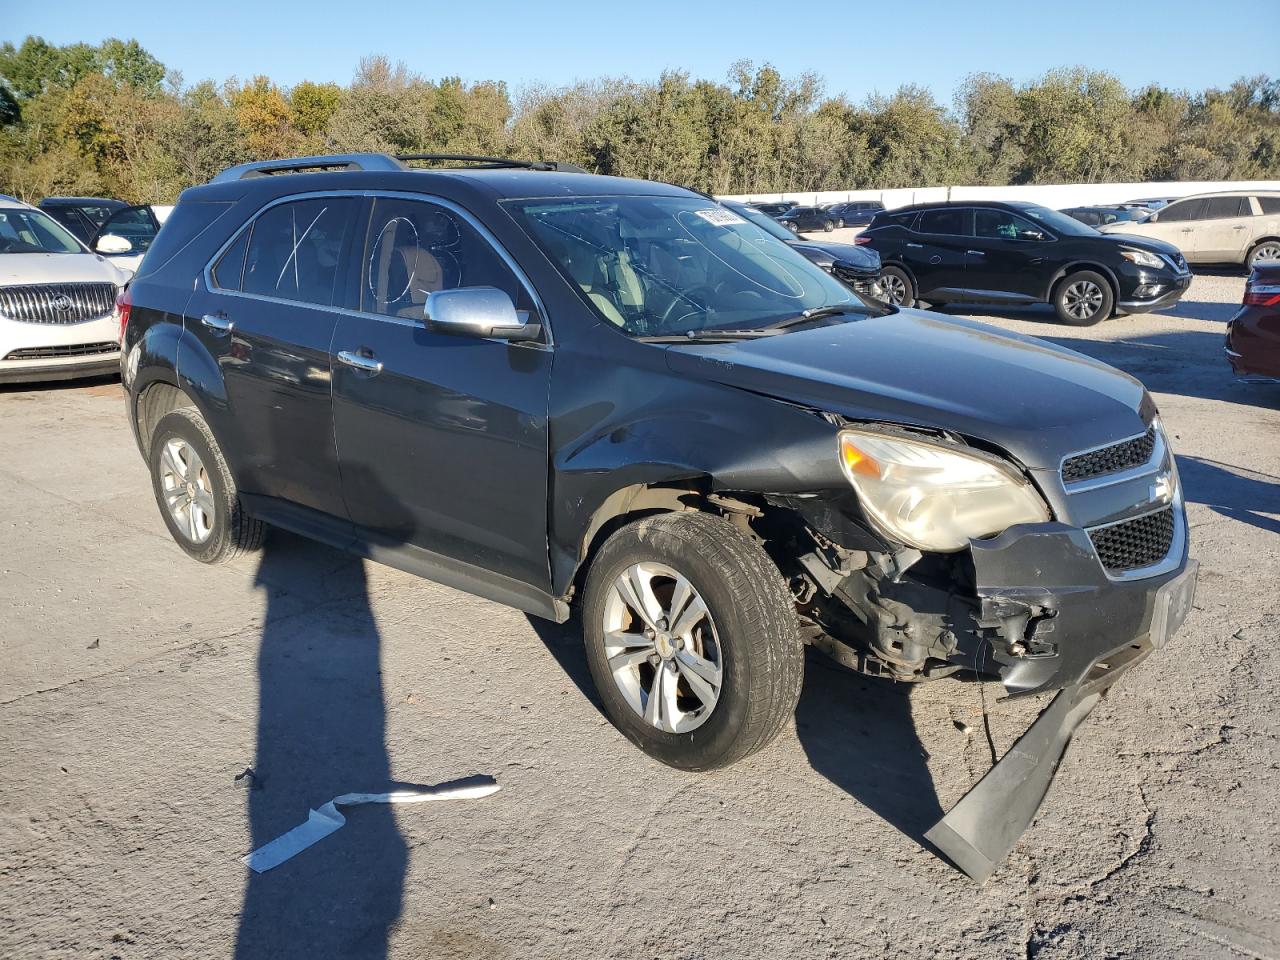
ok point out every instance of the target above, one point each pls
(442, 439)
(266, 315)
(1223, 232)
(1008, 254)
(935, 252)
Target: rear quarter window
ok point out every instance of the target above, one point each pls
(188, 220)
(1269, 204)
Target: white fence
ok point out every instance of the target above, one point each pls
(1050, 195)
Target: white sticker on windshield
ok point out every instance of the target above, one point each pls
(720, 217)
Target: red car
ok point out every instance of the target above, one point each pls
(1253, 335)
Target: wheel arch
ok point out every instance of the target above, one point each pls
(1074, 267)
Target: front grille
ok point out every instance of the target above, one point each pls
(74, 350)
(1112, 459)
(1134, 544)
(59, 303)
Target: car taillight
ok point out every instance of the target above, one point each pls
(861, 241)
(124, 304)
(1262, 295)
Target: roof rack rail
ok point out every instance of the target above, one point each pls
(492, 163)
(5, 196)
(333, 162)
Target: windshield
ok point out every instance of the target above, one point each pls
(30, 231)
(656, 266)
(1060, 223)
(762, 220)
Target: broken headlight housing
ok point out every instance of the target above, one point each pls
(933, 496)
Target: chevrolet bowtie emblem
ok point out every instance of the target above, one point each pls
(1162, 488)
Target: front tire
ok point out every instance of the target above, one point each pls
(1083, 299)
(196, 493)
(692, 640)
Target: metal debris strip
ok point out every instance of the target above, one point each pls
(320, 823)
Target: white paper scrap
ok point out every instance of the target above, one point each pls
(320, 823)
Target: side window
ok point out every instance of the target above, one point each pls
(415, 248)
(947, 222)
(295, 250)
(1221, 207)
(907, 220)
(229, 269)
(1269, 204)
(1183, 210)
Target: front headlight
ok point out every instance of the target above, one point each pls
(1142, 258)
(934, 497)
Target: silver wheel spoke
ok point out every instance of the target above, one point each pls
(193, 522)
(653, 701)
(703, 686)
(171, 462)
(629, 659)
(637, 593)
(204, 500)
(694, 612)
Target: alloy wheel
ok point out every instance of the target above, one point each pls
(661, 646)
(1268, 251)
(895, 290)
(1082, 299)
(187, 492)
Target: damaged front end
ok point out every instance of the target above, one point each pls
(1061, 605)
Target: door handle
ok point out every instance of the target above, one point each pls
(360, 362)
(217, 323)
(977, 253)
(915, 246)
(1239, 226)
(1187, 229)
(935, 259)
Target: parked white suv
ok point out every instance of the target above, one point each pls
(57, 300)
(1238, 227)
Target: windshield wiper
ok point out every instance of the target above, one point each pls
(817, 313)
(713, 333)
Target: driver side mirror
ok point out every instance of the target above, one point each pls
(484, 312)
(112, 243)
(1152, 218)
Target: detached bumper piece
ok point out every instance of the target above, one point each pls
(982, 828)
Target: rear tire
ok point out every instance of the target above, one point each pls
(656, 691)
(196, 493)
(897, 286)
(1083, 298)
(1263, 250)
(828, 226)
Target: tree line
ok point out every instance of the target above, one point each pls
(111, 120)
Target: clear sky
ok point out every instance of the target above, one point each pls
(859, 48)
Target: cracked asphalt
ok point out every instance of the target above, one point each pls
(159, 719)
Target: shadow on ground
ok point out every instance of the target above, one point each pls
(1231, 491)
(320, 734)
(857, 732)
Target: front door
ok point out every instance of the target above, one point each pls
(267, 319)
(1008, 255)
(442, 439)
(1177, 224)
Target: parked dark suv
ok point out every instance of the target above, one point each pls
(855, 213)
(563, 391)
(1016, 253)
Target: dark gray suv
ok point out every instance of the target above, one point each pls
(568, 392)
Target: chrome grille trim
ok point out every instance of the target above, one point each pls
(57, 303)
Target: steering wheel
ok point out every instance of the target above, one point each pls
(699, 295)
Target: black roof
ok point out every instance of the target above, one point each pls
(942, 204)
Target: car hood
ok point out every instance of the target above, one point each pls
(863, 257)
(1037, 401)
(22, 268)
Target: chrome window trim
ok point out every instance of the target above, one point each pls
(449, 205)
